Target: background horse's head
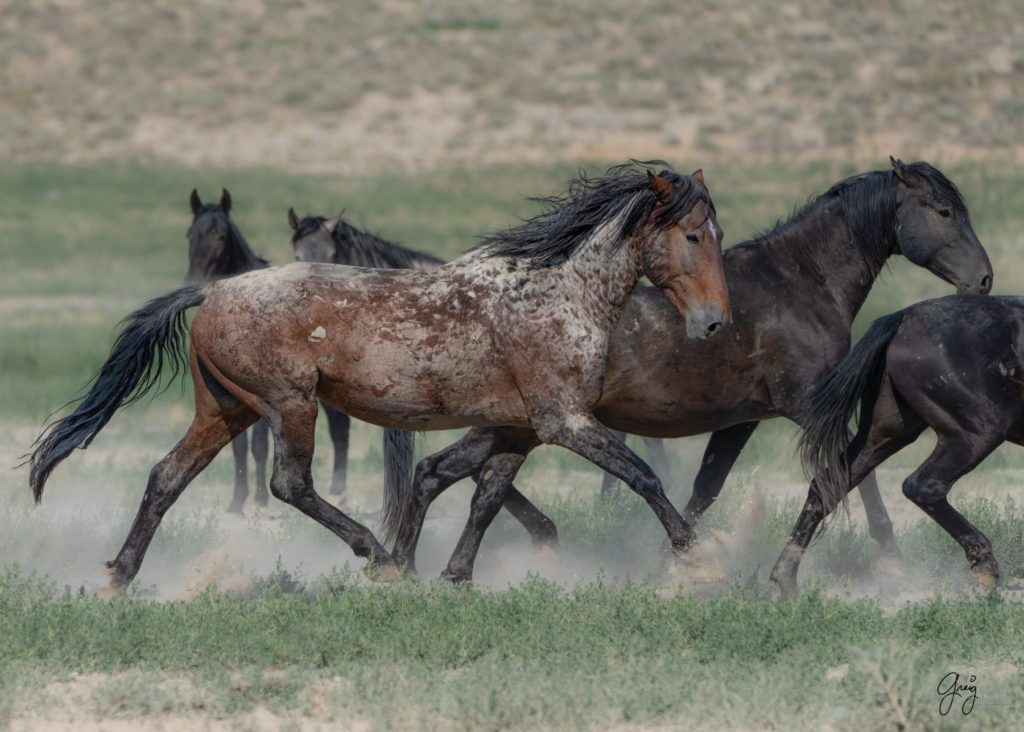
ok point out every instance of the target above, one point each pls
(314, 239)
(216, 248)
(934, 230)
(683, 256)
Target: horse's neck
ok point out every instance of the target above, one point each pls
(606, 273)
(831, 262)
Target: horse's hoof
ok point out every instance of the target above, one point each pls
(548, 556)
(382, 572)
(986, 580)
(697, 572)
(891, 564)
(108, 592)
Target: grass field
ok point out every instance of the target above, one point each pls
(264, 621)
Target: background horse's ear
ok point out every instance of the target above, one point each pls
(698, 174)
(225, 200)
(293, 220)
(911, 178)
(660, 185)
(332, 223)
(195, 202)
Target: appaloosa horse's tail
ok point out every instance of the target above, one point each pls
(398, 452)
(826, 436)
(154, 336)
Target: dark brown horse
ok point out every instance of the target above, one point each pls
(514, 332)
(217, 249)
(795, 291)
(334, 240)
(952, 364)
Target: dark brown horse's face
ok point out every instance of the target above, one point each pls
(934, 231)
(685, 261)
(316, 245)
(207, 239)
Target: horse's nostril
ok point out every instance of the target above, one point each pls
(713, 328)
(986, 283)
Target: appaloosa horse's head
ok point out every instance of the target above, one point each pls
(216, 248)
(684, 258)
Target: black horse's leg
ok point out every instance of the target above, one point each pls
(260, 452)
(658, 460)
(879, 523)
(240, 449)
(204, 439)
(609, 481)
(338, 423)
(542, 530)
(862, 459)
(928, 486)
(719, 457)
(436, 473)
(292, 482)
(494, 480)
(584, 435)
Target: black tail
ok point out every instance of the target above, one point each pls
(826, 436)
(398, 453)
(153, 336)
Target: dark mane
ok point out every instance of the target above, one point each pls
(239, 255)
(623, 192)
(360, 248)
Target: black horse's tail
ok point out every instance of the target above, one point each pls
(398, 453)
(826, 436)
(154, 336)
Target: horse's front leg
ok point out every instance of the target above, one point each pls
(584, 435)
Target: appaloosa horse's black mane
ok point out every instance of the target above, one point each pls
(551, 237)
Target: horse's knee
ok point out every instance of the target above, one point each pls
(923, 492)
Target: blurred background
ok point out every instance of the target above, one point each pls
(430, 123)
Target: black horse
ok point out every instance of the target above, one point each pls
(795, 291)
(953, 364)
(217, 249)
(334, 240)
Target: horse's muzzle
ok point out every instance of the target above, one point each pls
(706, 323)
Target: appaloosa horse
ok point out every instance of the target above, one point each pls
(795, 291)
(217, 249)
(514, 332)
(953, 364)
(334, 240)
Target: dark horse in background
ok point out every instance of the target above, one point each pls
(794, 290)
(334, 240)
(953, 364)
(217, 249)
(514, 332)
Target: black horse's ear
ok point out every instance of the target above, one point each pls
(911, 178)
(293, 220)
(195, 202)
(661, 186)
(225, 200)
(332, 223)
(698, 174)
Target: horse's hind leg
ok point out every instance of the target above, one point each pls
(879, 523)
(338, 423)
(929, 485)
(719, 456)
(260, 452)
(209, 433)
(292, 482)
(239, 449)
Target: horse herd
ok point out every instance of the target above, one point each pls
(543, 334)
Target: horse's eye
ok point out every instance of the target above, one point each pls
(944, 213)
(693, 238)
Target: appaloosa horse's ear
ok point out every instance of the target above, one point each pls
(225, 200)
(293, 220)
(195, 202)
(660, 185)
(698, 174)
(911, 178)
(332, 223)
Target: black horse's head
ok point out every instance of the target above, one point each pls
(216, 249)
(313, 239)
(934, 228)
